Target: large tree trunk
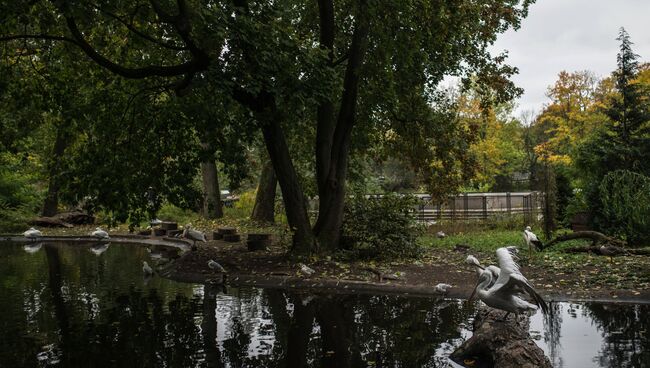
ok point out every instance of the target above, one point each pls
(292, 194)
(264, 208)
(212, 208)
(51, 204)
(333, 141)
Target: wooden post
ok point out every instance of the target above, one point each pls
(485, 213)
(466, 206)
(453, 208)
(508, 203)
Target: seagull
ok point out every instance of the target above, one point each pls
(100, 248)
(32, 247)
(146, 269)
(505, 293)
(99, 233)
(442, 288)
(531, 240)
(32, 234)
(194, 235)
(216, 266)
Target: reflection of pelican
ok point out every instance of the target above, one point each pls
(506, 291)
(98, 249)
(32, 233)
(32, 248)
(194, 235)
(146, 269)
(99, 233)
(154, 254)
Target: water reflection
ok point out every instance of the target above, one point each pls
(65, 307)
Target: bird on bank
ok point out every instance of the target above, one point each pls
(99, 233)
(531, 240)
(505, 293)
(146, 269)
(442, 288)
(214, 265)
(32, 234)
(194, 235)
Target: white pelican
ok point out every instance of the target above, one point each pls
(494, 270)
(99, 233)
(32, 233)
(195, 235)
(531, 240)
(32, 247)
(146, 269)
(506, 291)
(98, 249)
(214, 265)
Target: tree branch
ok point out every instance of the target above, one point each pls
(145, 36)
(38, 37)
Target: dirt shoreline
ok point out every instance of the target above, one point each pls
(273, 269)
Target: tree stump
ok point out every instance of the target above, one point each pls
(167, 225)
(227, 230)
(231, 237)
(258, 241)
(216, 235)
(504, 344)
(146, 232)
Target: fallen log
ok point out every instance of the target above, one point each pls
(609, 251)
(504, 344)
(595, 236)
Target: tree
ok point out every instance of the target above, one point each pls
(347, 63)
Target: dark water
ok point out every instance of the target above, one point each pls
(65, 306)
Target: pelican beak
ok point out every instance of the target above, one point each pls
(473, 292)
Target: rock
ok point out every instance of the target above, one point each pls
(504, 344)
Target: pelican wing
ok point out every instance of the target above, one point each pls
(512, 281)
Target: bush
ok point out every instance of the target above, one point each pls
(382, 227)
(625, 199)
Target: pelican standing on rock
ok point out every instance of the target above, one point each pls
(494, 270)
(195, 235)
(531, 240)
(32, 234)
(505, 293)
(99, 233)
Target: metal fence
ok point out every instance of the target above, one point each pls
(481, 206)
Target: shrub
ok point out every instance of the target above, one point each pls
(381, 227)
(625, 199)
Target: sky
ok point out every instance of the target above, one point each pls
(571, 35)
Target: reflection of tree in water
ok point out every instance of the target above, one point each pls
(552, 333)
(625, 329)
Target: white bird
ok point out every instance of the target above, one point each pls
(32, 248)
(442, 288)
(146, 269)
(531, 240)
(304, 269)
(195, 235)
(155, 222)
(441, 234)
(99, 233)
(494, 270)
(506, 291)
(32, 233)
(214, 265)
(100, 248)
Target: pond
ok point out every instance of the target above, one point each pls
(81, 306)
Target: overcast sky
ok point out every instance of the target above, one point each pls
(571, 35)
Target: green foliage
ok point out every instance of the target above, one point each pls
(381, 227)
(19, 197)
(625, 198)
